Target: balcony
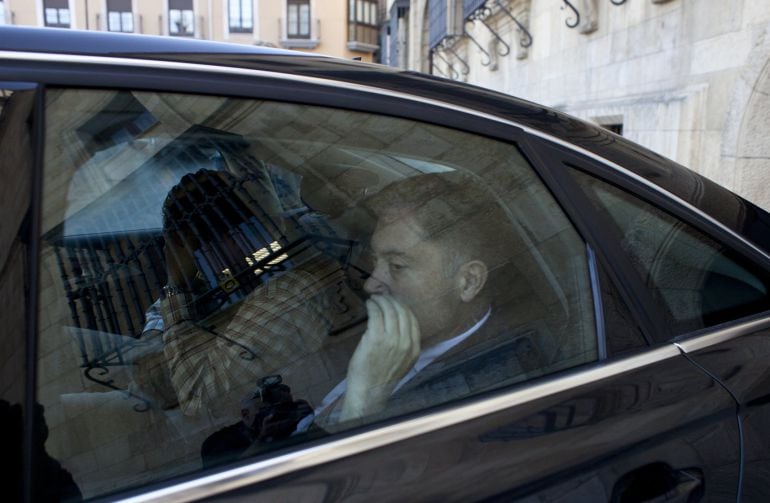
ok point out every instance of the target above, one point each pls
(363, 37)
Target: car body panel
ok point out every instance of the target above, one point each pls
(740, 363)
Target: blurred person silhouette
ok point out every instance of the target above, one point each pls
(275, 295)
(56, 483)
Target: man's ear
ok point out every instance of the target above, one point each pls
(471, 278)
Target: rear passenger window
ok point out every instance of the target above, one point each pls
(698, 281)
(622, 333)
(223, 277)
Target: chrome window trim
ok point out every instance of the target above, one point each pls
(185, 66)
(699, 342)
(596, 294)
(236, 478)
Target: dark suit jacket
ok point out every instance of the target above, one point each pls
(499, 354)
(495, 356)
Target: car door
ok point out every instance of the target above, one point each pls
(588, 412)
(710, 287)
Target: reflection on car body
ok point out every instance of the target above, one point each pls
(266, 276)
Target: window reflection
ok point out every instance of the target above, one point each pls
(216, 272)
(697, 281)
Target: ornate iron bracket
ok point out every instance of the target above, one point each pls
(572, 24)
(526, 37)
(481, 14)
(487, 57)
(440, 71)
(618, 2)
(139, 407)
(453, 74)
(245, 354)
(447, 44)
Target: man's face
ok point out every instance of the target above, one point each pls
(414, 271)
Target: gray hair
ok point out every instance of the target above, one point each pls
(454, 210)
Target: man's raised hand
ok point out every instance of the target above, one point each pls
(386, 352)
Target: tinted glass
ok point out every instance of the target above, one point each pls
(225, 277)
(622, 332)
(698, 281)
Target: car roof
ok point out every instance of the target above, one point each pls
(103, 43)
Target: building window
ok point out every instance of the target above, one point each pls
(362, 25)
(437, 22)
(56, 13)
(181, 20)
(119, 16)
(612, 122)
(470, 6)
(363, 12)
(615, 128)
(241, 16)
(298, 18)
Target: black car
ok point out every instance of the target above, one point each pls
(245, 273)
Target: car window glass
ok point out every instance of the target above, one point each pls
(621, 331)
(226, 277)
(698, 281)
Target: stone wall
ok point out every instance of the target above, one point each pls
(685, 78)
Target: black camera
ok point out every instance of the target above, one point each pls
(279, 413)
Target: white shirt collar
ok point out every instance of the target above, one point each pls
(427, 356)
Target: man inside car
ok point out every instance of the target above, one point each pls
(436, 328)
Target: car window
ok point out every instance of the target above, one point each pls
(622, 332)
(698, 281)
(225, 277)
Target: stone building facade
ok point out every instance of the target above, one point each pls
(333, 27)
(686, 78)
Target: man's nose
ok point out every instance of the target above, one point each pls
(372, 285)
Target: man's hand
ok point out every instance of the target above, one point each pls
(387, 351)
